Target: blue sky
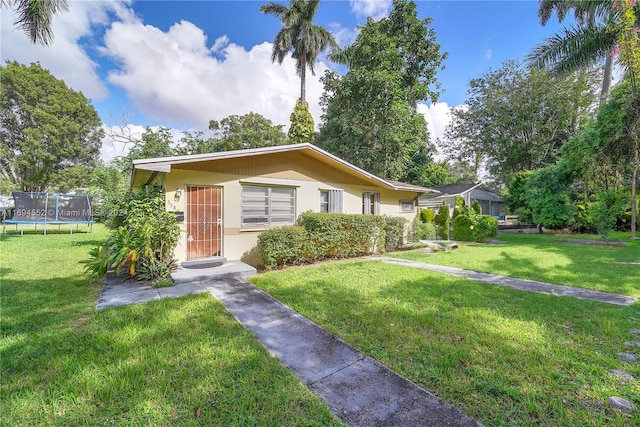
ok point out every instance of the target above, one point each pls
(181, 63)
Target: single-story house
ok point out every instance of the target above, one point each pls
(224, 200)
(490, 202)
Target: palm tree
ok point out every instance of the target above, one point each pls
(579, 46)
(300, 34)
(34, 17)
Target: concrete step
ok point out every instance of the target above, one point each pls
(231, 268)
(210, 262)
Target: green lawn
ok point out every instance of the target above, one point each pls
(505, 357)
(173, 362)
(539, 257)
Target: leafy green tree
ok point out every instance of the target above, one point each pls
(302, 126)
(109, 189)
(618, 127)
(34, 17)
(45, 127)
(515, 198)
(547, 193)
(517, 120)
(400, 44)
(370, 116)
(300, 34)
(158, 143)
(248, 131)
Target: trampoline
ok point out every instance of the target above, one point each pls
(46, 209)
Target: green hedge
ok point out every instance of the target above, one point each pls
(336, 235)
(469, 226)
(394, 232)
(327, 235)
(281, 246)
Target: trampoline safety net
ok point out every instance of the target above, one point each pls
(32, 207)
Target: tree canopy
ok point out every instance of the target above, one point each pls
(517, 119)
(370, 116)
(45, 127)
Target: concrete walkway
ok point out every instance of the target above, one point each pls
(520, 284)
(359, 390)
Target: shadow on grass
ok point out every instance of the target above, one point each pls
(503, 356)
(184, 361)
(539, 257)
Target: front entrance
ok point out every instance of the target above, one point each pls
(204, 221)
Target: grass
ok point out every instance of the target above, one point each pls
(504, 357)
(539, 257)
(172, 362)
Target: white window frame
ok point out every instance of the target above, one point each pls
(405, 202)
(333, 201)
(366, 207)
(267, 218)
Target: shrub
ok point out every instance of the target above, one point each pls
(281, 246)
(469, 226)
(606, 210)
(464, 228)
(476, 207)
(394, 232)
(427, 231)
(335, 235)
(486, 228)
(442, 220)
(427, 215)
(419, 230)
(147, 238)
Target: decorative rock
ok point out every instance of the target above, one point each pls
(632, 343)
(621, 404)
(635, 332)
(628, 357)
(622, 374)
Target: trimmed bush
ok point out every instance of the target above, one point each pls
(469, 226)
(427, 231)
(281, 246)
(476, 207)
(334, 235)
(427, 215)
(486, 228)
(442, 220)
(464, 228)
(394, 232)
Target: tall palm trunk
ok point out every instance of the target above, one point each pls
(606, 79)
(303, 78)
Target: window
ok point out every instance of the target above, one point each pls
(406, 205)
(370, 203)
(331, 201)
(268, 205)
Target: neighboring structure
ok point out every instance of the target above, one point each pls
(226, 199)
(489, 201)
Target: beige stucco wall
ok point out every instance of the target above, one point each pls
(239, 242)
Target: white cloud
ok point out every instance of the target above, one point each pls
(65, 57)
(377, 9)
(172, 77)
(488, 54)
(438, 116)
(118, 141)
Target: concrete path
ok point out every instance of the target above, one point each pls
(520, 284)
(359, 390)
